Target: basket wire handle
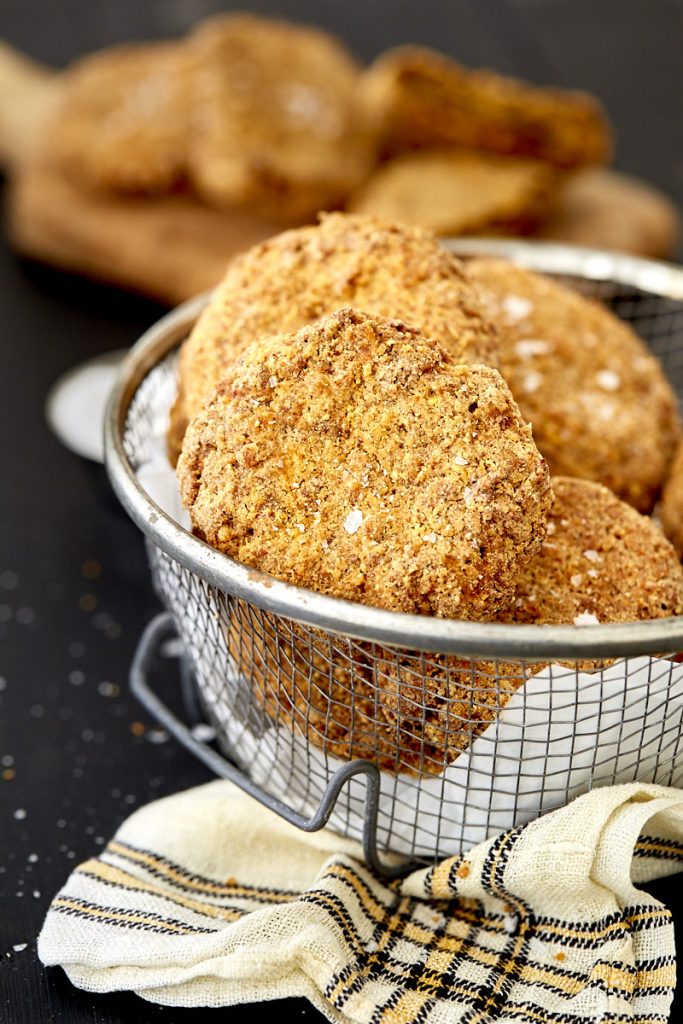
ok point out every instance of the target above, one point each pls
(161, 629)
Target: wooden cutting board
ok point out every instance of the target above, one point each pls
(171, 248)
(167, 248)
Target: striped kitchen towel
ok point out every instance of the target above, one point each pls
(208, 899)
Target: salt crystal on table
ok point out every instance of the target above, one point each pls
(20, 814)
(203, 732)
(20, 947)
(157, 736)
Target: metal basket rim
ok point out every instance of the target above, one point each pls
(364, 622)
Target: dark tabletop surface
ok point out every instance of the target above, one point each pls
(74, 588)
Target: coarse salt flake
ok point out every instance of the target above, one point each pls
(550, 529)
(576, 580)
(353, 521)
(19, 947)
(272, 382)
(459, 460)
(528, 347)
(468, 496)
(592, 555)
(586, 619)
(608, 380)
(516, 307)
(593, 573)
(430, 538)
(532, 382)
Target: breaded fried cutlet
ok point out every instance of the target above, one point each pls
(460, 192)
(598, 401)
(277, 120)
(298, 276)
(123, 120)
(601, 561)
(422, 98)
(358, 459)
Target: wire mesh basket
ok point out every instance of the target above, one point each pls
(418, 735)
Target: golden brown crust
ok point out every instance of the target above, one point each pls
(604, 209)
(301, 275)
(597, 399)
(459, 192)
(601, 561)
(277, 121)
(357, 459)
(671, 508)
(123, 120)
(423, 98)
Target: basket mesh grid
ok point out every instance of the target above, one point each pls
(466, 747)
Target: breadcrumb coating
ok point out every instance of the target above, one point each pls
(422, 98)
(459, 192)
(277, 120)
(123, 121)
(357, 459)
(597, 399)
(300, 275)
(601, 562)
